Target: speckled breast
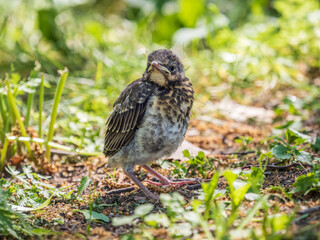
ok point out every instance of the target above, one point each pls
(165, 124)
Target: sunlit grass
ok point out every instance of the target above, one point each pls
(41, 98)
(56, 101)
(17, 116)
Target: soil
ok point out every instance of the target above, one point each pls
(115, 195)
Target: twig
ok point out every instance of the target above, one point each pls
(194, 187)
(237, 153)
(198, 185)
(273, 166)
(310, 210)
(120, 190)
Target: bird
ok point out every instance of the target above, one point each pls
(150, 118)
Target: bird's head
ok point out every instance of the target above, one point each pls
(164, 68)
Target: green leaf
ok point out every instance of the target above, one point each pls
(143, 209)
(118, 221)
(316, 145)
(236, 195)
(190, 11)
(281, 152)
(201, 155)
(249, 216)
(279, 222)
(84, 183)
(157, 219)
(286, 125)
(186, 153)
(305, 183)
(303, 157)
(47, 23)
(293, 135)
(94, 215)
(45, 203)
(209, 190)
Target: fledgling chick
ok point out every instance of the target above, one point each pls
(150, 118)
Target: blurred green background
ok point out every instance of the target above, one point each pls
(250, 51)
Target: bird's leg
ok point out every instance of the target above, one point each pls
(131, 175)
(166, 181)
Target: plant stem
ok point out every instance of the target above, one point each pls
(4, 117)
(17, 115)
(41, 94)
(57, 97)
(3, 153)
(29, 104)
(99, 71)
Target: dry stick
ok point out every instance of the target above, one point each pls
(237, 153)
(120, 190)
(280, 167)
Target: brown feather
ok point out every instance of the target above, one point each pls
(126, 116)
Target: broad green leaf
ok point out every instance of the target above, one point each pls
(143, 209)
(305, 182)
(303, 157)
(281, 152)
(279, 221)
(157, 219)
(94, 215)
(118, 221)
(238, 195)
(201, 155)
(293, 135)
(186, 153)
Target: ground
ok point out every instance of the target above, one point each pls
(115, 195)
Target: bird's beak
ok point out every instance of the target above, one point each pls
(159, 67)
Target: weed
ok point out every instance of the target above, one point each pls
(285, 151)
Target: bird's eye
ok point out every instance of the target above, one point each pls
(171, 68)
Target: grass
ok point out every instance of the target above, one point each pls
(54, 110)
(16, 115)
(41, 97)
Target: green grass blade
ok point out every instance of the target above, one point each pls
(54, 110)
(3, 153)
(259, 204)
(41, 97)
(4, 117)
(10, 107)
(2, 109)
(99, 71)
(15, 110)
(29, 104)
(54, 145)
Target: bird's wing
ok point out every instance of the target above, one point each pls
(128, 111)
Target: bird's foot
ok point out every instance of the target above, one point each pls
(177, 183)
